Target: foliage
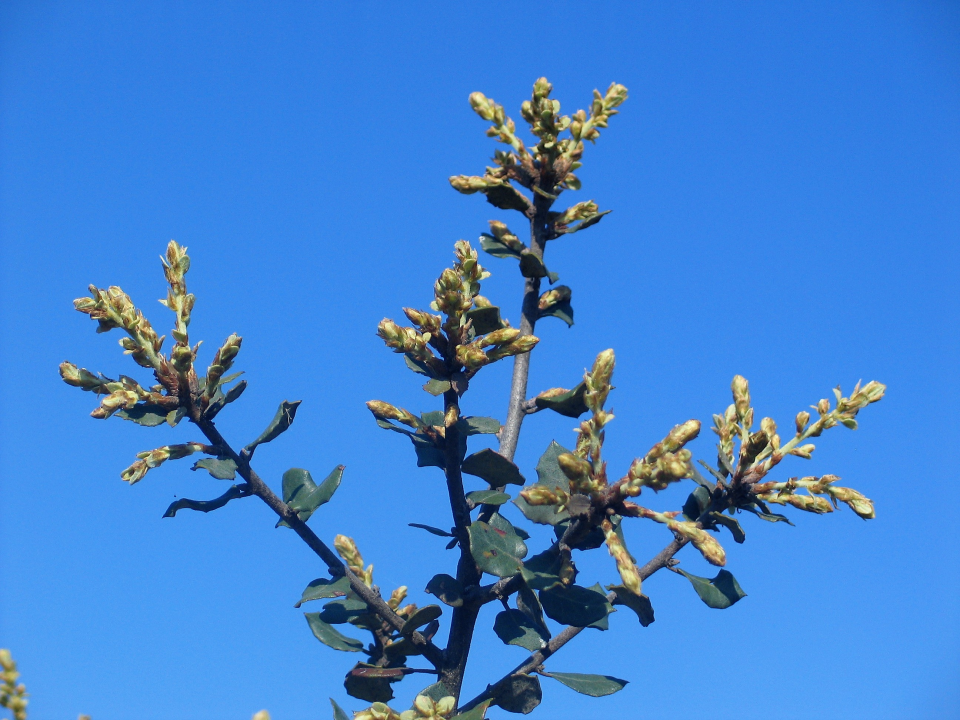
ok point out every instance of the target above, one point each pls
(460, 334)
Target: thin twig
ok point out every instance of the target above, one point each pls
(259, 488)
(660, 560)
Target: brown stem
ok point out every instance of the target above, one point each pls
(660, 560)
(259, 488)
(464, 618)
(528, 320)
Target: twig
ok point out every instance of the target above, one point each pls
(660, 560)
(259, 488)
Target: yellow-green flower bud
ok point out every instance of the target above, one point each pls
(347, 549)
(741, 396)
(804, 451)
(857, 502)
(708, 546)
(576, 469)
(803, 418)
(483, 106)
(154, 458)
(810, 503)
(625, 565)
(555, 296)
(386, 411)
(502, 336)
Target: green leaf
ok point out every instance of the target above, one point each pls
(715, 473)
(344, 610)
(303, 495)
(279, 425)
(420, 367)
(322, 588)
(765, 514)
(721, 592)
(477, 713)
(485, 319)
(478, 425)
(492, 467)
(498, 552)
(696, 503)
(221, 468)
(401, 649)
(428, 454)
(520, 694)
(528, 604)
(640, 604)
(592, 685)
(371, 689)
(730, 524)
(175, 416)
(515, 628)
(487, 497)
(549, 475)
(497, 248)
(338, 712)
(577, 606)
(330, 636)
(434, 417)
(543, 570)
(507, 197)
(437, 387)
(499, 522)
(568, 404)
(562, 310)
(592, 540)
(447, 589)
(220, 400)
(431, 529)
(204, 505)
(420, 618)
(531, 266)
(145, 414)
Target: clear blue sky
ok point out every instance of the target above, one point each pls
(785, 181)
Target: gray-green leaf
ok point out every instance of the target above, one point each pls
(487, 497)
(492, 467)
(721, 592)
(577, 606)
(447, 589)
(640, 604)
(322, 588)
(204, 505)
(220, 468)
(497, 551)
(282, 420)
(145, 414)
(338, 712)
(420, 618)
(569, 403)
(305, 496)
(330, 636)
(592, 685)
(520, 694)
(515, 628)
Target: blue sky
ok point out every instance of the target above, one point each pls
(785, 181)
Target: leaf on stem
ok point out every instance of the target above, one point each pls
(519, 694)
(222, 468)
(421, 617)
(485, 319)
(431, 529)
(640, 604)
(204, 505)
(487, 497)
(323, 588)
(303, 495)
(592, 685)
(477, 713)
(279, 425)
(371, 689)
(497, 551)
(478, 425)
(447, 589)
(338, 712)
(562, 310)
(330, 636)
(569, 403)
(492, 467)
(576, 606)
(437, 387)
(543, 570)
(549, 475)
(515, 628)
(721, 592)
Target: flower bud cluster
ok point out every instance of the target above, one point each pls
(154, 458)
(504, 342)
(112, 308)
(122, 394)
(703, 541)
(13, 695)
(347, 549)
(222, 362)
(602, 109)
(503, 128)
(175, 267)
(665, 463)
(470, 184)
(406, 340)
(590, 436)
(783, 493)
(625, 565)
(424, 708)
(427, 323)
